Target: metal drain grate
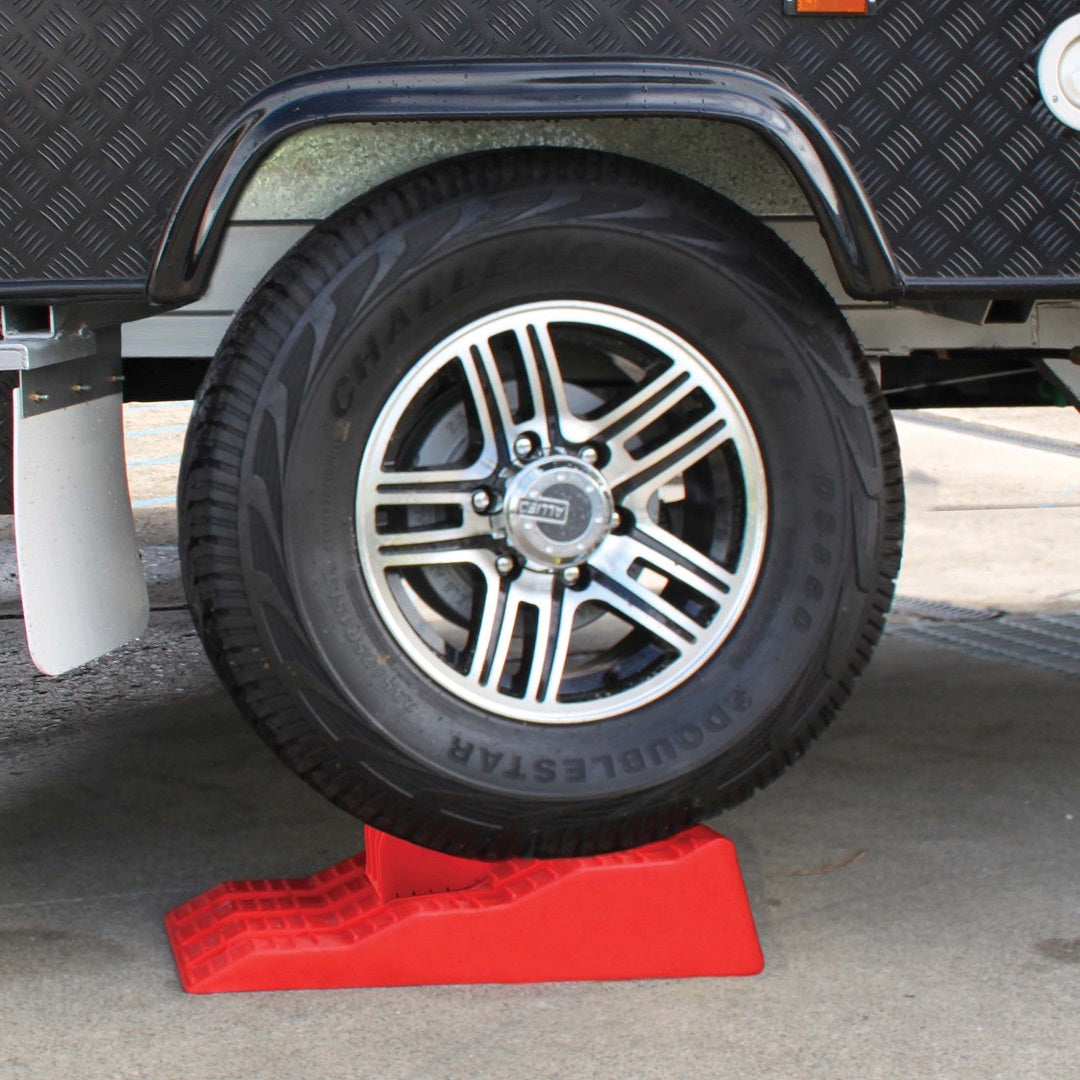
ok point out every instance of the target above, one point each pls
(1051, 642)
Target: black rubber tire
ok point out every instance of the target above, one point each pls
(267, 538)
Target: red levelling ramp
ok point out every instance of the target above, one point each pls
(401, 915)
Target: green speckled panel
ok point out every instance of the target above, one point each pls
(315, 172)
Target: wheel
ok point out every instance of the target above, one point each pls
(539, 503)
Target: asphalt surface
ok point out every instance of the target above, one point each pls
(916, 880)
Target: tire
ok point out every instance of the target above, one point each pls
(689, 455)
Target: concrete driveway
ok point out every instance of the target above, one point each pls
(916, 880)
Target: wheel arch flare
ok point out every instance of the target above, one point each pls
(518, 90)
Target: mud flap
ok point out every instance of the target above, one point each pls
(83, 588)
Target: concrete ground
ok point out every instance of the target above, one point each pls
(916, 880)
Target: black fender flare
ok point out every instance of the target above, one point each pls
(519, 89)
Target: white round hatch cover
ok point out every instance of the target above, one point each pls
(1059, 72)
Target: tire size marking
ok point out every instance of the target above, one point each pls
(377, 667)
(812, 590)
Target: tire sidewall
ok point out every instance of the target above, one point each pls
(788, 370)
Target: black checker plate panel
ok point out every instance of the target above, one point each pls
(107, 104)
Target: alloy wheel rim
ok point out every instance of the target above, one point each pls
(530, 505)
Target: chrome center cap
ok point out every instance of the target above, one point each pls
(557, 512)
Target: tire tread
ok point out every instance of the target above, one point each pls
(210, 533)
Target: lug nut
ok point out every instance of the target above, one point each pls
(505, 565)
(524, 446)
(589, 454)
(481, 500)
(571, 575)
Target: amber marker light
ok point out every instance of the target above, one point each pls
(831, 7)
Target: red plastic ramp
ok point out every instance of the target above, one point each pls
(400, 915)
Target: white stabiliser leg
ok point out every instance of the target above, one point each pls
(82, 582)
(1065, 371)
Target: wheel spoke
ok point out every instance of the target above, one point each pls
(435, 553)
(649, 403)
(419, 495)
(419, 483)
(509, 600)
(489, 628)
(632, 600)
(492, 405)
(542, 383)
(546, 387)
(434, 490)
(639, 479)
(503, 601)
(675, 559)
(552, 647)
(554, 607)
(436, 537)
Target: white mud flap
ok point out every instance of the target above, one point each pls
(83, 588)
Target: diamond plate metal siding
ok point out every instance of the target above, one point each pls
(107, 104)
